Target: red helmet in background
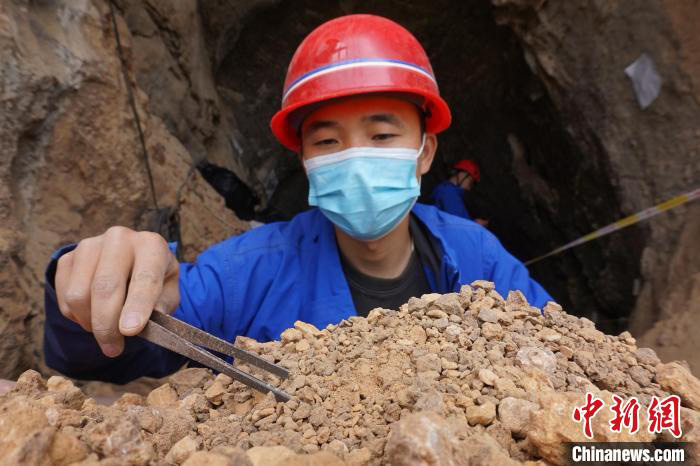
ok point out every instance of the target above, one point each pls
(357, 54)
(468, 166)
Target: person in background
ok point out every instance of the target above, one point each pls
(450, 195)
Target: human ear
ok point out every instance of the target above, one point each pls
(425, 159)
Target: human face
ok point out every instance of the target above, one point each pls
(366, 121)
(467, 181)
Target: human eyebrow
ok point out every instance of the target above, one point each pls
(384, 118)
(320, 124)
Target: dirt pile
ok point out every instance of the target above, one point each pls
(461, 378)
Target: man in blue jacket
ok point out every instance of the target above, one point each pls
(362, 113)
(449, 196)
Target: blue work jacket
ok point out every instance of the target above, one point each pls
(259, 283)
(450, 198)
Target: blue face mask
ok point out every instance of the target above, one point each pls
(365, 191)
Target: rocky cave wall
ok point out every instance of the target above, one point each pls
(71, 164)
(579, 52)
(538, 94)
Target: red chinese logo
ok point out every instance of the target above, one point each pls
(626, 416)
(662, 414)
(665, 415)
(586, 412)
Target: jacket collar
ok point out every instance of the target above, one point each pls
(449, 274)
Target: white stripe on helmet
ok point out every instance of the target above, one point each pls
(355, 64)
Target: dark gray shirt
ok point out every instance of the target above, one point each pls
(370, 292)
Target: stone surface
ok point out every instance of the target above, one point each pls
(514, 414)
(182, 450)
(540, 358)
(488, 315)
(65, 392)
(162, 396)
(187, 379)
(673, 335)
(487, 376)
(72, 164)
(690, 425)
(262, 456)
(678, 380)
(215, 393)
(205, 458)
(66, 449)
(420, 439)
(583, 76)
(483, 414)
(483, 450)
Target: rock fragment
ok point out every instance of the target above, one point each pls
(421, 439)
(487, 376)
(647, 356)
(306, 329)
(66, 449)
(30, 381)
(483, 284)
(302, 346)
(269, 456)
(449, 303)
(189, 378)
(679, 381)
(483, 414)
(436, 314)
(182, 450)
(291, 335)
(491, 331)
(514, 414)
(540, 358)
(215, 393)
(65, 392)
(487, 314)
(205, 458)
(483, 450)
(161, 397)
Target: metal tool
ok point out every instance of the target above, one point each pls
(182, 338)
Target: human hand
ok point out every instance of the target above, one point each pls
(109, 284)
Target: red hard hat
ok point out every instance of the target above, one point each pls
(470, 167)
(358, 54)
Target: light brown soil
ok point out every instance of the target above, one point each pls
(462, 378)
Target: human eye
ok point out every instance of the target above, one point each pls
(325, 142)
(383, 136)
